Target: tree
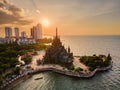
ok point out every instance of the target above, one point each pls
(78, 69)
(16, 70)
(27, 59)
(109, 57)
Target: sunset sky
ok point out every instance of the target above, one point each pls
(72, 17)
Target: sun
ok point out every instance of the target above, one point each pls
(45, 22)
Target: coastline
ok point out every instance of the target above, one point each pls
(74, 74)
(24, 77)
(11, 84)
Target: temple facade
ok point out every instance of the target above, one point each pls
(57, 54)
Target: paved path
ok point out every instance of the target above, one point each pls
(77, 63)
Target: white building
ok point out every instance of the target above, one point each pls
(36, 33)
(7, 40)
(21, 41)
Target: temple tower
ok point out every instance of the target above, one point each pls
(56, 32)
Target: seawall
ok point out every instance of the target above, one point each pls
(71, 73)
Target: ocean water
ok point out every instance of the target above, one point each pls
(82, 45)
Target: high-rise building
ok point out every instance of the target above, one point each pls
(23, 34)
(8, 32)
(36, 32)
(16, 32)
(39, 31)
(31, 33)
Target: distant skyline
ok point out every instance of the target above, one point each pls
(72, 17)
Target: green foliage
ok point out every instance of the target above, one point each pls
(63, 68)
(45, 40)
(9, 53)
(1, 81)
(8, 74)
(91, 68)
(78, 69)
(109, 57)
(35, 53)
(71, 67)
(96, 61)
(6, 63)
(39, 62)
(16, 70)
(27, 59)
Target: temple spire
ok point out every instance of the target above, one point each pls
(69, 49)
(56, 32)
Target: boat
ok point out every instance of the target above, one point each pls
(38, 78)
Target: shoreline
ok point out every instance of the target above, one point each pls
(22, 78)
(14, 82)
(74, 74)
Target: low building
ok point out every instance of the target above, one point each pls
(2, 40)
(21, 41)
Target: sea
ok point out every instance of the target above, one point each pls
(82, 45)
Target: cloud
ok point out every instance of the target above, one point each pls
(1, 5)
(11, 14)
(38, 11)
(5, 1)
